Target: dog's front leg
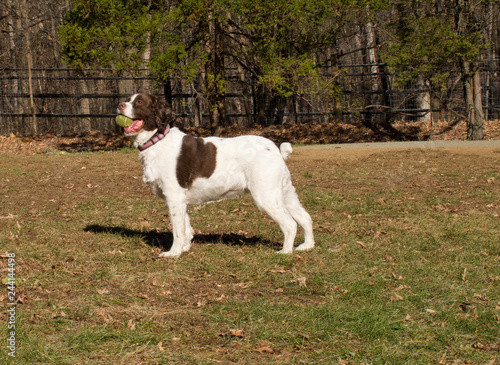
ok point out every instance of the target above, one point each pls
(189, 232)
(182, 241)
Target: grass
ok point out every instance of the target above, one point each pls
(406, 270)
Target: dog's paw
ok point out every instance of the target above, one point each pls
(283, 251)
(305, 246)
(170, 254)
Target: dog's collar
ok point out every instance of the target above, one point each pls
(157, 137)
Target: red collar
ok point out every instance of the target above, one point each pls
(157, 137)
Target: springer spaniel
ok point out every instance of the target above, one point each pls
(183, 170)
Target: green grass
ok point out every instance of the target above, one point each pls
(406, 268)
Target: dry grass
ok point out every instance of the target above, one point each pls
(406, 269)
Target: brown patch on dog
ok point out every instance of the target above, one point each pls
(197, 159)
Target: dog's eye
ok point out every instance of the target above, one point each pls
(139, 102)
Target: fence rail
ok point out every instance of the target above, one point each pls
(66, 101)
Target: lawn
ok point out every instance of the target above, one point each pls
(406, 268)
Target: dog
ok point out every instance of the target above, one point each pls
(182, 169)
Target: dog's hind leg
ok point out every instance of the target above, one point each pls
(272, 204)
(301, 216)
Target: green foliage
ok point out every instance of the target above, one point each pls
(429, 46)
(280, 40)
(105, 33)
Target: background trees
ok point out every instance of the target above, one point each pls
(433, 38)
(278, 55)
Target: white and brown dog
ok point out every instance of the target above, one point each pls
(183, 170)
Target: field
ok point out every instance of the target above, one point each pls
(406, 268)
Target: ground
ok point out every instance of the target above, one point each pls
(406, 268)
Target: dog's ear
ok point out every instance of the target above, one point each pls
(163, 113)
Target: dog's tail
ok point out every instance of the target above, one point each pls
(286, 150)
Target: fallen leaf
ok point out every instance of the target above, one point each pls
(306, 337)
(201, 303)
(105, 315)
(242, 285)
(301, 282)
(131, 324)
(480, 297)
(235, 333)
(265, 349)
(9, 216)
(397, 298)
(221, 298)
(402, 287)
(396, 277)
(280, 270)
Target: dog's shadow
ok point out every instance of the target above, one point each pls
(164, 240)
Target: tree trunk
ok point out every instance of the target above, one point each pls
(424, 100)
(473, 102)
(214, 76)
(85, 122)
(167, 89)
(29, 62)
(377, 117)
(198, 101)
(470, 76)
(376, 98)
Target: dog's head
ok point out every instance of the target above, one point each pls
(149, 112)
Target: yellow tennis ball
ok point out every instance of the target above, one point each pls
(123, 121)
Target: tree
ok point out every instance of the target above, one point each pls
(432, 40)
(172, 38)
(25, 29)
(283, 45)
(276, 41)
(106, 33)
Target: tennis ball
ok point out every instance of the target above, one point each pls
(123, 121)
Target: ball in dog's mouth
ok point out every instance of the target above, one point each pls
(129, 125)
(123, 121)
